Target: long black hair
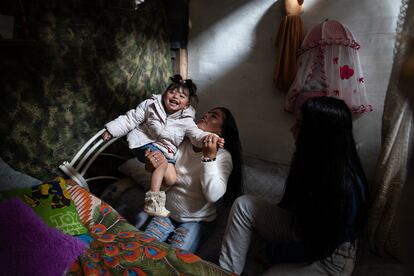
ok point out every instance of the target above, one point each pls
(232, 144)
(178, 82)
(325, 176)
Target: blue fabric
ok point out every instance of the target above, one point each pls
(86, 238)
(140, 152)
(187, 235)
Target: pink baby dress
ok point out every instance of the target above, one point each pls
(328, 65)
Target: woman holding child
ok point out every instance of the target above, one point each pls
(161, 123)
(204, 176)
(187, 156)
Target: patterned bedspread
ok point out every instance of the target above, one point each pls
(118, 248)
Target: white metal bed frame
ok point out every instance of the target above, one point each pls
(84, 158)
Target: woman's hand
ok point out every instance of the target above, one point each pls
(106, 136)
(153, 160)
(211, 143)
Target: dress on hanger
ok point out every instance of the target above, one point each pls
(328, 65)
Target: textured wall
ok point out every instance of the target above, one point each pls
(91, 61)
(232, 59)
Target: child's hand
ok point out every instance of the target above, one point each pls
(220, 141)
(106, 136)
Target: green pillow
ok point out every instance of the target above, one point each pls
(51, 201)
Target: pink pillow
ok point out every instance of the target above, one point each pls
(31, 247)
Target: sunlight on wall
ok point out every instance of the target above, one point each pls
(308, 4)
(236, 32)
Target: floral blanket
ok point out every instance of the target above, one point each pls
(118, 248)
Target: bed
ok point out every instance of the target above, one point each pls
(126, 191)
(110, 244)
(118, 248)
(115, 245)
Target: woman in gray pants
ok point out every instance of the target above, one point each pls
(313, 230)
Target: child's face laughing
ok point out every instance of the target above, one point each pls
(175, 100)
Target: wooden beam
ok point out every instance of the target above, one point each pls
(181, 63)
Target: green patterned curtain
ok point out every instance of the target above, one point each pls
(90, 61)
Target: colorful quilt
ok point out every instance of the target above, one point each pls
(118, 248)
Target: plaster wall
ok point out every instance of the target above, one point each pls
(232, 58)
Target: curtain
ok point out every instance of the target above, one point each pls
(385, 220)
(288, 40)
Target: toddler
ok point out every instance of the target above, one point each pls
(160, 124)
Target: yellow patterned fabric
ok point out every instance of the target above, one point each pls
(52, 201)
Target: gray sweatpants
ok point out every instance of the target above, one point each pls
(250, 215)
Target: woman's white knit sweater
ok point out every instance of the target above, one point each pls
(198, 187)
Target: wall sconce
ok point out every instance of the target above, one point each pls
(293, 7)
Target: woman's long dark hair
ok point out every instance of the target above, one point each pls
(232, 144)
(325, 169)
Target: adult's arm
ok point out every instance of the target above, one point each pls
(125, 123)
(195, 134)
(215, 174)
